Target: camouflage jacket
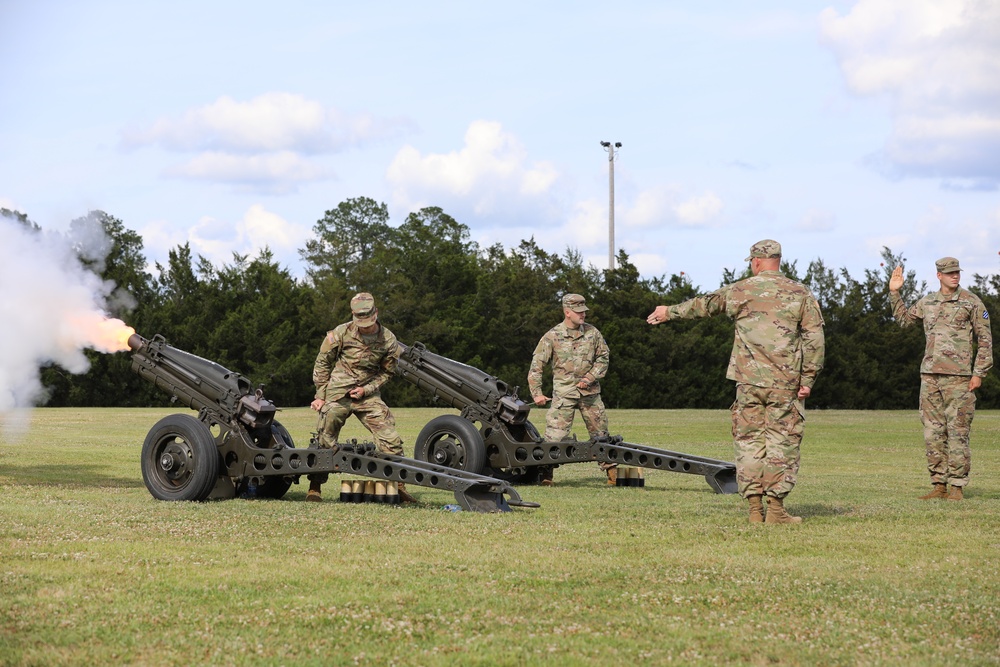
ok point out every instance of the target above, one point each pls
(346, 361)
(950, 324)
(779, 329)
(576, 354)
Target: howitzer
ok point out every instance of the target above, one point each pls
(235, 443)
(507, 444)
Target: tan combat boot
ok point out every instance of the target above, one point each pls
(939, 491)
(955, 493)
(776, 512)
(404, 495)
(756, 509)
(314, 495)
(612, 476)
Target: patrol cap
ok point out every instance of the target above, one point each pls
(363, 309)
(576, 303)
(947, 265)
(766, 249)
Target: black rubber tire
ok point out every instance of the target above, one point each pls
(179, 459)
(450, 440)
(275, 487)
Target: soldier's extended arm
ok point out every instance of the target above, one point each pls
(700, 306)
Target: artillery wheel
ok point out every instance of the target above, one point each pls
(275, 487)
(179, 459)
(450, 440)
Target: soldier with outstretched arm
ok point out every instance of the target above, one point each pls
(778, 351)
(956, 326)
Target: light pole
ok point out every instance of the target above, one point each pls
(612, 151)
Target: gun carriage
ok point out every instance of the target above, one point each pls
(235, 444)
(506, 444)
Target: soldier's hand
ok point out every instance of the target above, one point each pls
(658, 315)
(357, 392)
(317, 404)
(975, 382)
(896, 280)
(804, 393)
(540, 399)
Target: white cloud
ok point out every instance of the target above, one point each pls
(278, 172)
(262, 144)
(938, 64)
(698, 210)
(816, 220)
(217, 240)
(8, 204)
(267, 123)
(668, 205)
(491, 175)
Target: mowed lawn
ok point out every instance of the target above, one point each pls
(94, 571)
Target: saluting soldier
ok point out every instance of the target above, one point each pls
(778, 351)
(579, 358)
(955, 323)
(353, 363)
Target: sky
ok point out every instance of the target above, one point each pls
(836, 128)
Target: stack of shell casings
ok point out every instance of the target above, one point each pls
(629, 476)
(369, 491)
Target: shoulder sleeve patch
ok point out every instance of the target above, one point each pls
(986, 315)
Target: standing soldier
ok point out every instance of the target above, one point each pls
(777, 354)
(579, 359)
(354, 361)
(953, 319)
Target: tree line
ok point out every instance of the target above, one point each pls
(484, 306)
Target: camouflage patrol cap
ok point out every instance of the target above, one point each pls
(947, 265)
(766, 249)
(576, 303)
(363, 309)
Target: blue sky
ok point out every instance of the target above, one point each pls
(833, 127)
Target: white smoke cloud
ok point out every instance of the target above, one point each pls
(53, 308)
(937, 62)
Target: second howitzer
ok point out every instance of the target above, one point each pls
(235, 446)
(507, 444)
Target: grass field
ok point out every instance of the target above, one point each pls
(94, 571)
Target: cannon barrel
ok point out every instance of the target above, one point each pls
(200, 384)
(459, 385)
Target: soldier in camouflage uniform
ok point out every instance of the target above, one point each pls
(354, 361)
(954, 319)
(579, 358)
(777, 353)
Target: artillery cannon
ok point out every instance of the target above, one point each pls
(506, 444)
(236, 444)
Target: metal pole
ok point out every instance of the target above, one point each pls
(611, 209)
(612, 150)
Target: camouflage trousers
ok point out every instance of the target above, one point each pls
(370, 411)
(946, 410)
(768, 424)
(559, 418)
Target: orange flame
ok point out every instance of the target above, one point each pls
(111, 335)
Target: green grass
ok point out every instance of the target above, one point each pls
(94, 571)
